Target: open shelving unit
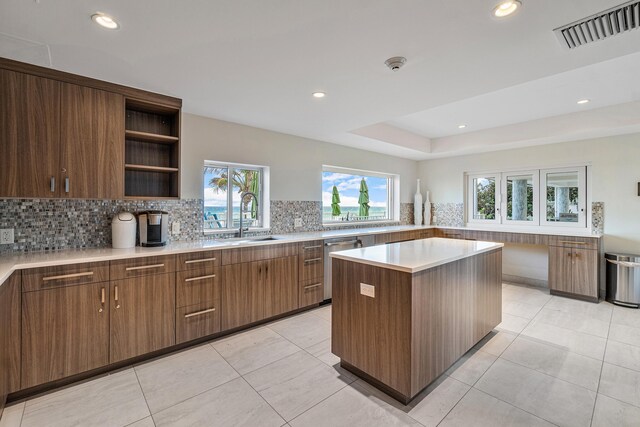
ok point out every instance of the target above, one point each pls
(152, 151)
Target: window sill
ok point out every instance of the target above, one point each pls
(359, 223)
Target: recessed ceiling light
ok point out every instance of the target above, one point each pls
(506, 8)
(105, 21)
(319, 94)
(584, 101)
(462, 126)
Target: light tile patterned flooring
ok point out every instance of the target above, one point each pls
(552, 361)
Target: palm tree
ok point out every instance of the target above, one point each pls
(243, 179)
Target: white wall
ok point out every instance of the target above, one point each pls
(295, 162)
(615, 175)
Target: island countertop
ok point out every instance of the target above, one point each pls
(416, 255)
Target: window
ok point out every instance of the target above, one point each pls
(555, 197)
(352, 195)
(224, 184)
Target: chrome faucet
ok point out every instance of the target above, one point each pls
(242, 197)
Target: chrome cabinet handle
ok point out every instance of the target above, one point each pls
(53, 184)
(102, 300)
(313, 286)
(193, 261)
(67, 276)
(144, 267)
(306, 248)
(66, 184)
(350, 242)
(116, 297)
(191, 279)
(198, 313)
(312, 260)
(573, 243)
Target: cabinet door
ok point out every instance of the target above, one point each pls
(10, 294)
(585, 272)
(242, 296)
(92, 143)
(142, 315)
(65, 331)
(280, 286)
(29, 135)
(560, 269)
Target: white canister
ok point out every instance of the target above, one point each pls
(417, 206)
(123, 231)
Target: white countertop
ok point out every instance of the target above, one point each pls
(549, 231)
(417, 255)
(10, 263)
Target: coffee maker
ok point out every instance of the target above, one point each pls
(154, 228)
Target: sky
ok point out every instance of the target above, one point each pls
(349, 189)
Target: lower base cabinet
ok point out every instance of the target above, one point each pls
(252, 291)
(65, 331)
(10, 294)
(142, 315)
(574, 271)
(197, 321)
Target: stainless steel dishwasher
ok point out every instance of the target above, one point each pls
(340, 244)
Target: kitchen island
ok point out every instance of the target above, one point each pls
(403, 313)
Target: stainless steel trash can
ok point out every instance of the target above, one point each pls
(623, 279)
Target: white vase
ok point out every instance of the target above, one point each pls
(417, 206)
(427, 210)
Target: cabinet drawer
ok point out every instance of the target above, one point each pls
(311, 292)
(574, 242)
(197, 321)
(125, 268)
(194, 260)
(259, 253)
(64, 275)
(309, 250)
(310, 268)
(197, 286)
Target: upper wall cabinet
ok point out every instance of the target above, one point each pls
(68, 136)
(29, 135)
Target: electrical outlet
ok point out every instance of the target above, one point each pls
(368, 290)
(175, 228)
(297, 223)
(6, 236)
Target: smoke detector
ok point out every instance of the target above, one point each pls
(395, 63)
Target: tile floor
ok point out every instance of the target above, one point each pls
(552, 361)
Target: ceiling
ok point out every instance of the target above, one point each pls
(257, 63)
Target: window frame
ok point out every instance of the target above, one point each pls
(393, 191)
(536, 197)
(582, 197)
(471, 199)
(539, 195)
(263, 206)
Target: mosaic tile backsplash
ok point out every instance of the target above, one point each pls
(54, 224)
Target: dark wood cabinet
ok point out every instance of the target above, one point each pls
(573, 271)
(142, 315)
(29, 135)
(63, 135)
(65, 331)
(280, 286)
(253, 291)
(10, 296)
(91, 134)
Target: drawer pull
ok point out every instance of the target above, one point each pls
(574, 243)
(193, 261)
(192, 279)
(67, 276)
(145, 267)
(198, 313)
(307, 261)
(306, 248)
(313, 286)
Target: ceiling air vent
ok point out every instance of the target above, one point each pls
(601, 25)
